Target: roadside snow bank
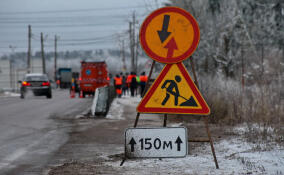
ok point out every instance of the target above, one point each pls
(9, 94)
(117, 107)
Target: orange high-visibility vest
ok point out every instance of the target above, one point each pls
(119, 91)
(128, 80)
(143, 78)
(118, 80)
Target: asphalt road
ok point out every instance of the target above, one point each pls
(32, 129)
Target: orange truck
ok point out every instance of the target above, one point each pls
(92, 76)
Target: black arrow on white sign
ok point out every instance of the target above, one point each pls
(132, 143)
(178, 142)
(164, 34)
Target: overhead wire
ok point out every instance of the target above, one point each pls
(71, 11)
(80, 21)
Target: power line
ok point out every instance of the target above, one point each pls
(87, 43)
(117, 15)
(72, 11)
(36, 37)
(72, 25)
(88, 39)
(73, 44)
(56, 21)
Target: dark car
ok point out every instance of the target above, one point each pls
(39, 84)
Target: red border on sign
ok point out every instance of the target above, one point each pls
(204, 107)
(189, 52)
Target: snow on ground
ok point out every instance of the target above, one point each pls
(9, 94)
(234, 154)
(116, 108)
(234, 157)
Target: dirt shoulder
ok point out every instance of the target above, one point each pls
(96, 146)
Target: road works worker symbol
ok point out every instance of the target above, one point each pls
(173, 92)
(172, 89)
(169, 35)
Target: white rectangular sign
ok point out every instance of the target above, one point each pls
(156, 142)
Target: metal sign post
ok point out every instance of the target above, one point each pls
(168, 35)
(205, 120)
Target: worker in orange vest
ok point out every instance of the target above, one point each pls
(133, 84)
(125, 84)
(143, 81)
(128, 80)
(57, 83)
(117, 85)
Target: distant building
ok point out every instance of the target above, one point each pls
(10, 75)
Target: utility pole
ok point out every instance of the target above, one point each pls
(131, 46)
(42, 53)
(262, 59)
(136, 53)
(55, 56)
(11, 73)
(132, 42)
(29, 49)
(12, 69)
(123, 57)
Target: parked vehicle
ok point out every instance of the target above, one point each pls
(39, 84)
(65, 77)
(92, 76)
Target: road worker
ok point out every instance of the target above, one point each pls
(57, 83)
(128, 79)
(124, 86)
(118, 84)
(143, 81)
(127, 83)
(133, 84)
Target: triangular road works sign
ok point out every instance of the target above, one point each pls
(173, 92)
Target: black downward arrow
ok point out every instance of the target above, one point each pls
(132, 143)
(164, 34)
(178, 142)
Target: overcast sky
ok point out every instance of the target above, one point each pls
(80, 24)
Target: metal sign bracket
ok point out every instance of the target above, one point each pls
(166, 116)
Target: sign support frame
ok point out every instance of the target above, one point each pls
(171, 45)
(205, 118)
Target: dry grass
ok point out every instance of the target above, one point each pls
(256, 105)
